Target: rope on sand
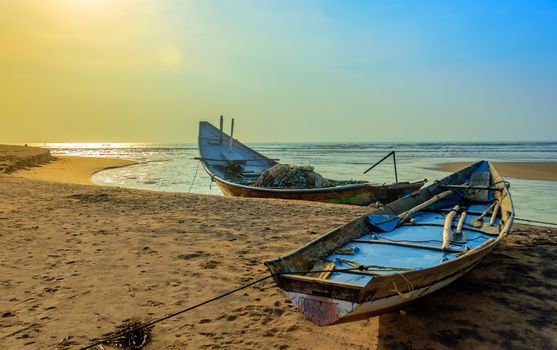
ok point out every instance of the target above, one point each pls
(537, 222)
(150, 324)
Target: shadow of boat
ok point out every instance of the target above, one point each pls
(509, 301)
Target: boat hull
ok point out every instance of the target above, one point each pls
(363, 195)
(325, 311)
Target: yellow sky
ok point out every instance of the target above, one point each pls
(149, 70)
(76, 69)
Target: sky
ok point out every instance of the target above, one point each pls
(345, 70)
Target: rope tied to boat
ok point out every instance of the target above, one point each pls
(194, 176)
(347, 251)
(409, 285)
(358, 265)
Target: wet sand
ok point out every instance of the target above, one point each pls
(522, 170)
(76, 261)
(73, 170)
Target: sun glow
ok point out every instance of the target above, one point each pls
(87, 4)
(170, 56)
(87, 10)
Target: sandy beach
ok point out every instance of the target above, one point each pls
(14, 158)
(72, 170)
(521, 170)
(77, 260)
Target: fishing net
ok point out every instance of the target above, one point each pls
(291, 176)
(128, 336)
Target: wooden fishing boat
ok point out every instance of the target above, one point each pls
(234, 167)
(399, 253)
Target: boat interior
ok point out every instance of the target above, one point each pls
(412, 246)
(473, 218)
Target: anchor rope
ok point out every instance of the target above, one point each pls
(537, 222)
(174, 314)
(194, 176)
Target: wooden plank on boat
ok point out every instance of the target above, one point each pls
(489, 241)
(323, 269)
(234, 160)
(321, 281)
(407, 244)
(490, 230)
(479, 179)
(484, 231)
(471, 187)
(442, 211)
(327, 270)
(366, 273)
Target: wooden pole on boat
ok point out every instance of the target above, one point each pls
(221, 126)
(495, 212)
(479, 221)
(407, 214)
(389, 224)
(458, 235)
(447, 229)
(231, 135)
(461, 221)
(394, 162)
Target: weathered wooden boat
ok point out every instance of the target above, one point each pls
(234, 167)
(401, 252)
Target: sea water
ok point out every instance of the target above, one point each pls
(172, 167)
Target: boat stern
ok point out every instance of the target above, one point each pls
(322, 311)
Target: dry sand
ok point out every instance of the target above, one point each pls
(18, 157)
(522, 170)
(78, 260)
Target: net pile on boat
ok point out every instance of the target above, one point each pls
(291, 176)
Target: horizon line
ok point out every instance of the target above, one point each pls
(36, 144)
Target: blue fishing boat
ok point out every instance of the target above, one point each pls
(400, 252)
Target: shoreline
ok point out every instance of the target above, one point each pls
(71, 169)
(535, 170)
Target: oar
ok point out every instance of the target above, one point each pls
(447, 229)
(494, 214)
(387, 223)
(480, 221)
